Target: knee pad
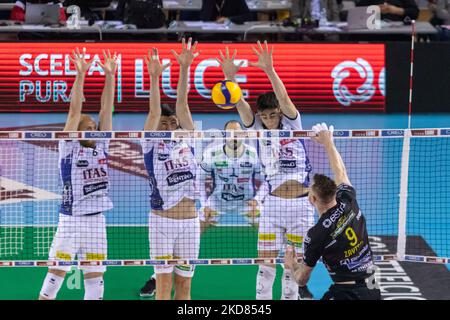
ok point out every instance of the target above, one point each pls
(264, 282)
(94, 288)
(51, 286)
(289, 286)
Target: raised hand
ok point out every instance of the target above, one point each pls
(324, 134)
(265, 60)
(188, 54)
(154, 66)
(110, 63)
(229, 68)
(79, 60)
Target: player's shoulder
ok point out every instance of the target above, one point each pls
(292, 123)
(345, 190)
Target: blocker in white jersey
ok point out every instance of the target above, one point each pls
(84, 175)
(172, 169)
(283, 159)
(233, 182)
(81, 229)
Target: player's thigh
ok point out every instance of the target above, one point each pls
(162, 234)
(297, 226)
(94, 242)
(187, 246)
(64, 246)
(270, 236)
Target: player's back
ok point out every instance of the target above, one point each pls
(347, 253)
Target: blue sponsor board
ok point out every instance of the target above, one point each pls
(158, 134)
(241, 261)
(414, 258)
(24, 263)
(279, 134)
(216, 134)
(377, 258)
(154, 262)
(97, 135)
(341, 133)
(279, 261)
(392, 133)
(445, 132)
(38, 135)
(67, 263)
(197, 261)
(112, 263)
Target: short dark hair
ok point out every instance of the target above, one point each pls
(324, 187)
(266, 101)
(230, 122)
(167, 110)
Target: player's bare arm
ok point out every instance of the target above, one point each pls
(325, 138)
(155, 70)
(301, 272)
(82, 66)
(265, 62)
(230, 69)
(109, 66)
(185, 59)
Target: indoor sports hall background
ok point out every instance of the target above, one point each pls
(354, 86)
(374, 166)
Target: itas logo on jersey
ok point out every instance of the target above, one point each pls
(94, 173)
(175, 164)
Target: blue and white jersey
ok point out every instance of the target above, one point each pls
(283, 159)
(85, 179)
(172, 170)
(233, 178)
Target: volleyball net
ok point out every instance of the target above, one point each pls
(402, 179)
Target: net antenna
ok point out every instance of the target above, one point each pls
(411, 71)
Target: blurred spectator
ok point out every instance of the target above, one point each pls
(441, 11)
(220, 10)
(313, 8)
(393, 10)
(20, 7)
(142, 14)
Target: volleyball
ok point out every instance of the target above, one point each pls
(226, 94)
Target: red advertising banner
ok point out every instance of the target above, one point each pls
(37, 77)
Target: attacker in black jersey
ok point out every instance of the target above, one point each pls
(340, 236)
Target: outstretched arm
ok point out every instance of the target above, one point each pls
(155, 69)
(265, 62)
(230, 69)
(325, 137)
(76, 98)
(185, 60)
(109, 67)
